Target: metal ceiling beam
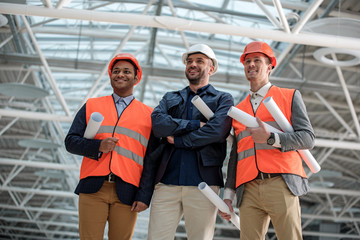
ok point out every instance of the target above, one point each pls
(268, 14)
(347, 96)
(173, 74)
(282, 17)
(37, 164)
(334, 113)
(54, 193)
(150, 54)
(307, 15)
(92, 92)
(35, 115)
(52, 81)
(179, 24)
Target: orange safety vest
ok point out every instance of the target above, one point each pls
(132, 128)
(255, 157)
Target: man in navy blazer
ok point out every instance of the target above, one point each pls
(193, 151)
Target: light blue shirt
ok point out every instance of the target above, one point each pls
(121, 103)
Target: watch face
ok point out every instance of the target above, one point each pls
(271, 141)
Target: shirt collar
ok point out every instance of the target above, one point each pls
(200, 90)
(126, 100)
(262, 91)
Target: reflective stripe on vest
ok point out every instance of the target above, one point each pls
(125, 131)
(252, 157)
(133, 131)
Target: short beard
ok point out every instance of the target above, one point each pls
(195, 80)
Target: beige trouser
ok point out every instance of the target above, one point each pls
(97, 208)
(170, 203)
(269, 199)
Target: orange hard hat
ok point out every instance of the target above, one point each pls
(260, 47)
(129, 57)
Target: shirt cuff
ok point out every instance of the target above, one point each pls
(277, 143)
(229, 194)
(193, 125)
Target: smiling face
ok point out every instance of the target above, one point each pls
(123, 78)
(198, 69)
(257, 69)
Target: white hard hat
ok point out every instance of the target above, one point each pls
(204, 49)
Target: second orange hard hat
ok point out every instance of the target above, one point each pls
(260, 47)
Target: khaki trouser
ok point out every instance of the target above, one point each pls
(269, 199)
(170, 203)
(96, 209)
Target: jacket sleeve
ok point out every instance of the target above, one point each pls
(75, 143)
(151, 163)
(231, 167)
(163, 124)
(303, 136)
(215, 130)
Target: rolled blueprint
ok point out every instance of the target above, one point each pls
(206, 111)
(219, 203)
(248, 120)
(93, 125)
(202, 107)
(284, 124)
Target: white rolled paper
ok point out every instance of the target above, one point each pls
(284, 124)
(206, 111)
(202, 107)
(219, 203)
(248, 120)
(93, 125)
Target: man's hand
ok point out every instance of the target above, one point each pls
(259, 134)
(108, 144)
(227, 216)
(202, 124)
(138, 206)
(170, 139)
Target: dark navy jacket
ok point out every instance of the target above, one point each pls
(209, 141)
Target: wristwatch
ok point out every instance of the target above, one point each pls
(271, 139)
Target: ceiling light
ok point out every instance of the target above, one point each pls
(20, 90)
(3, 20)
(345, 27)
(321, 53)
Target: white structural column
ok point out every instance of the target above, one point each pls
(35, 115)
(48, 3)
(63, 3)
(172, 9)
(268, 14)
(347, 96)
(337, 144)
(47, 68)
(37, 164)
(307, 15)
(281, 13)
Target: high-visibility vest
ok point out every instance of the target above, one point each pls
(132, 128)
(255, 157)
